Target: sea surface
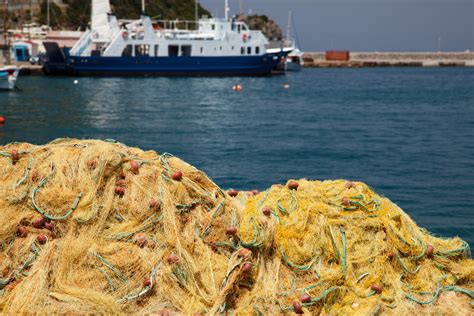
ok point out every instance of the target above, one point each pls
(407, 132)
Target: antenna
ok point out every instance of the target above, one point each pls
(241, 8)
(227, 10)
(288, 28)
(143, 6)
(47, 14)
(196, 14)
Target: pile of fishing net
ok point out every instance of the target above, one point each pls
(98, 227)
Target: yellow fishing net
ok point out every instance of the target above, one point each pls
(98, 227)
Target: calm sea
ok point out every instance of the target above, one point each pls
(409, 133)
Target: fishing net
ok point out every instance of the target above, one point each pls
(99, 227)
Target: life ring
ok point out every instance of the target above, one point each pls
(125, 35)
(245, 37)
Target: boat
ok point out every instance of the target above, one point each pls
(8, 77)
(294, 60)
(214, 47)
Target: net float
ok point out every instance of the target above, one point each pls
(293, 185)
(49, 225)
(255, 192)
(391, 255)
(134, 167)
(377, 288)
(345, 201)
(350, 184)
(22, 231)
(141, 239)
(429, 251)
(15, 156)
(164, 312)
(305, 298)
(92, 164)
(172, 258)
(121, 183)
(266, 211)
(38, 222)
(244, 252)
(42, 239)
(177, 176)
(247, 267)
(120, 191)
(2, 119)
(147, 282)
(233, 193)
(154, 203)
(231, 231)
(286, 86)
(297, 307)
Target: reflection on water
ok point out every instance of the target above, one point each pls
(406, 132)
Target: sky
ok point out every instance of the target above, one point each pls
(368, 25)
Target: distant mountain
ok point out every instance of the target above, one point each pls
(263, 23)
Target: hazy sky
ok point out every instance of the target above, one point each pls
(369, 25)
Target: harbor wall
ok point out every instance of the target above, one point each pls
(392, 59)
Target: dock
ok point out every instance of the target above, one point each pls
(391, 59)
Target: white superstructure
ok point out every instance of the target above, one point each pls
(211, 37)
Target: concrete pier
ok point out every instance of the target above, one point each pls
(392, 59)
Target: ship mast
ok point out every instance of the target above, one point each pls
(143, 6)
(5, 33)
(288, 28)
(227, 10)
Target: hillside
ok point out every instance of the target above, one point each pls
(262, 22)
(77, 13)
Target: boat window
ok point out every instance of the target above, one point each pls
(232, 47)
(249, 50)
(220, 48)
(142, 50)
(242, 51)
(239, 28)
(202, 50)
(156, 50)
(213, 26)
(173, 50)
(185, 50)
(257, 50)
(127, 51)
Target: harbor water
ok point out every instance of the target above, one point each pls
(407, 132)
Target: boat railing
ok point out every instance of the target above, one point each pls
(82, 44)
(184, 25)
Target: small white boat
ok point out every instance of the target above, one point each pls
(8, 76)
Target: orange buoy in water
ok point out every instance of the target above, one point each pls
(237, 87)
(2, 119)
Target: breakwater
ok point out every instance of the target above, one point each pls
(392, 59)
